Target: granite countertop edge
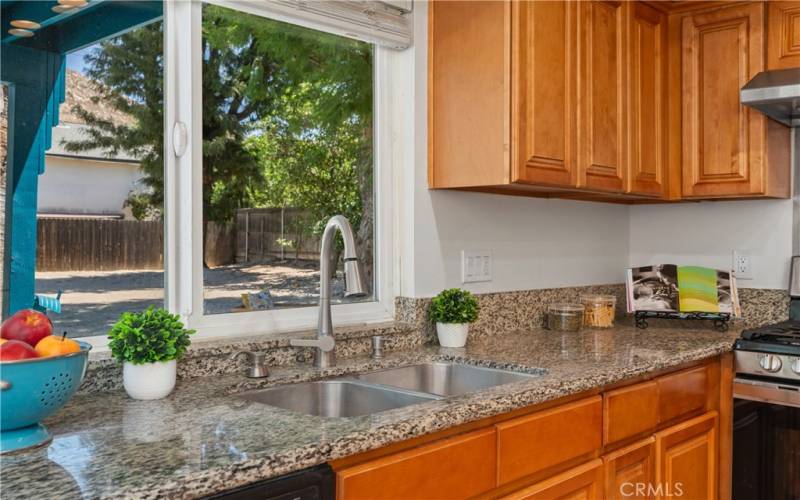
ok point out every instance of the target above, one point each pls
(481, 405)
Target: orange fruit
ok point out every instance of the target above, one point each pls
(54, 345)
(2, 340)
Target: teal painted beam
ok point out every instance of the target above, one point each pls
(99, 21)
(39, 11)
(36, 79)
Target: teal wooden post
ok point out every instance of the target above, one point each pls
(36, 81)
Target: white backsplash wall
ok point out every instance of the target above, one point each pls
(706, 233)
(535, 243)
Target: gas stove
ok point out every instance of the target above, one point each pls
(773, 351)
(770, 351)
(766, 406)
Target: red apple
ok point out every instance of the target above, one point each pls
(12, 350)
(28, 326)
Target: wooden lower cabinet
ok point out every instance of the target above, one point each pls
(530, 444)
(630, 472)
(459, 467)
(630, 411)
(582, 482)
(559, 452)
(686, 459)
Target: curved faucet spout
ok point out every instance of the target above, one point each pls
(354, 286)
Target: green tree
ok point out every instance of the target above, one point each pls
(287, 118)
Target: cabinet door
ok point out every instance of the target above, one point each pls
(544, 96)
(584, 482)
(630, 472)
(533, 443)
(723, 140)
(603, 96)
(783, 36)
(458, 467)
(647, 97)
(686, 459)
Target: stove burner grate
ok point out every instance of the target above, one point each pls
(786, 333)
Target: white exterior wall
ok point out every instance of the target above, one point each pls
(77, 186)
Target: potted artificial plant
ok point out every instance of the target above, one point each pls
(453, 310)
(148, 344)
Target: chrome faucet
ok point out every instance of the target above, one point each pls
(324, 343)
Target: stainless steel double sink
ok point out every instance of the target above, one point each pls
(374, 392)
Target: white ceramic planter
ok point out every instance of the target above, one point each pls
(149, 380)
(452, 334)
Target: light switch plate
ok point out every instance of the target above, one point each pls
(476, 266)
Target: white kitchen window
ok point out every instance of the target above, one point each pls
(312, 159)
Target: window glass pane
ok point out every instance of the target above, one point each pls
(100, 235)
(287, 143)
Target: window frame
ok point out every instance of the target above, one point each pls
(184, 290)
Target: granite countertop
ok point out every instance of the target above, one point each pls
(202, 439)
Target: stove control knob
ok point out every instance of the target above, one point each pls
(796, 366)
(770, 363)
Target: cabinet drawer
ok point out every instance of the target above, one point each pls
(682, 393)
(458, 467)
(535, 442)
(630, 411)
(582, 482)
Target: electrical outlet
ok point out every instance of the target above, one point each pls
(476, 266)
(742, 266)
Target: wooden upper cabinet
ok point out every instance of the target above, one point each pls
(628, 471)
(686, 459)
(602, 114)
(544, 100)
(469, 93)
(729, 150)
(606, 100)
(783, 36)
(647, 38)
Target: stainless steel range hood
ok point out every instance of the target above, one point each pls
(775, 93)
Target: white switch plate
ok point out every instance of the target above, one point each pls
(476, 266)
(742, 265)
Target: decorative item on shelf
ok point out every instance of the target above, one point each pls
(149, 343)
(668, 291)
(453, 310)
(39, 373)
(564, 317)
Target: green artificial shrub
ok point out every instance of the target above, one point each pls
(454, 306)
(149, 336)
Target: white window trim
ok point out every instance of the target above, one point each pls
(183, 275)
(185, 291)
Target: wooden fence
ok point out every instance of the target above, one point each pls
(263, 233)
(65, 244)
(98, 245)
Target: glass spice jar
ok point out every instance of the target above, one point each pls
(565, 317)
(599, 310)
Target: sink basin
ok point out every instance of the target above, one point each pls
(336, 398)
(443, 379)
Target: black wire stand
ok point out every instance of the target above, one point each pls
(721, 320)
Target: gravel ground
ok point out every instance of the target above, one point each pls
(93, 300)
